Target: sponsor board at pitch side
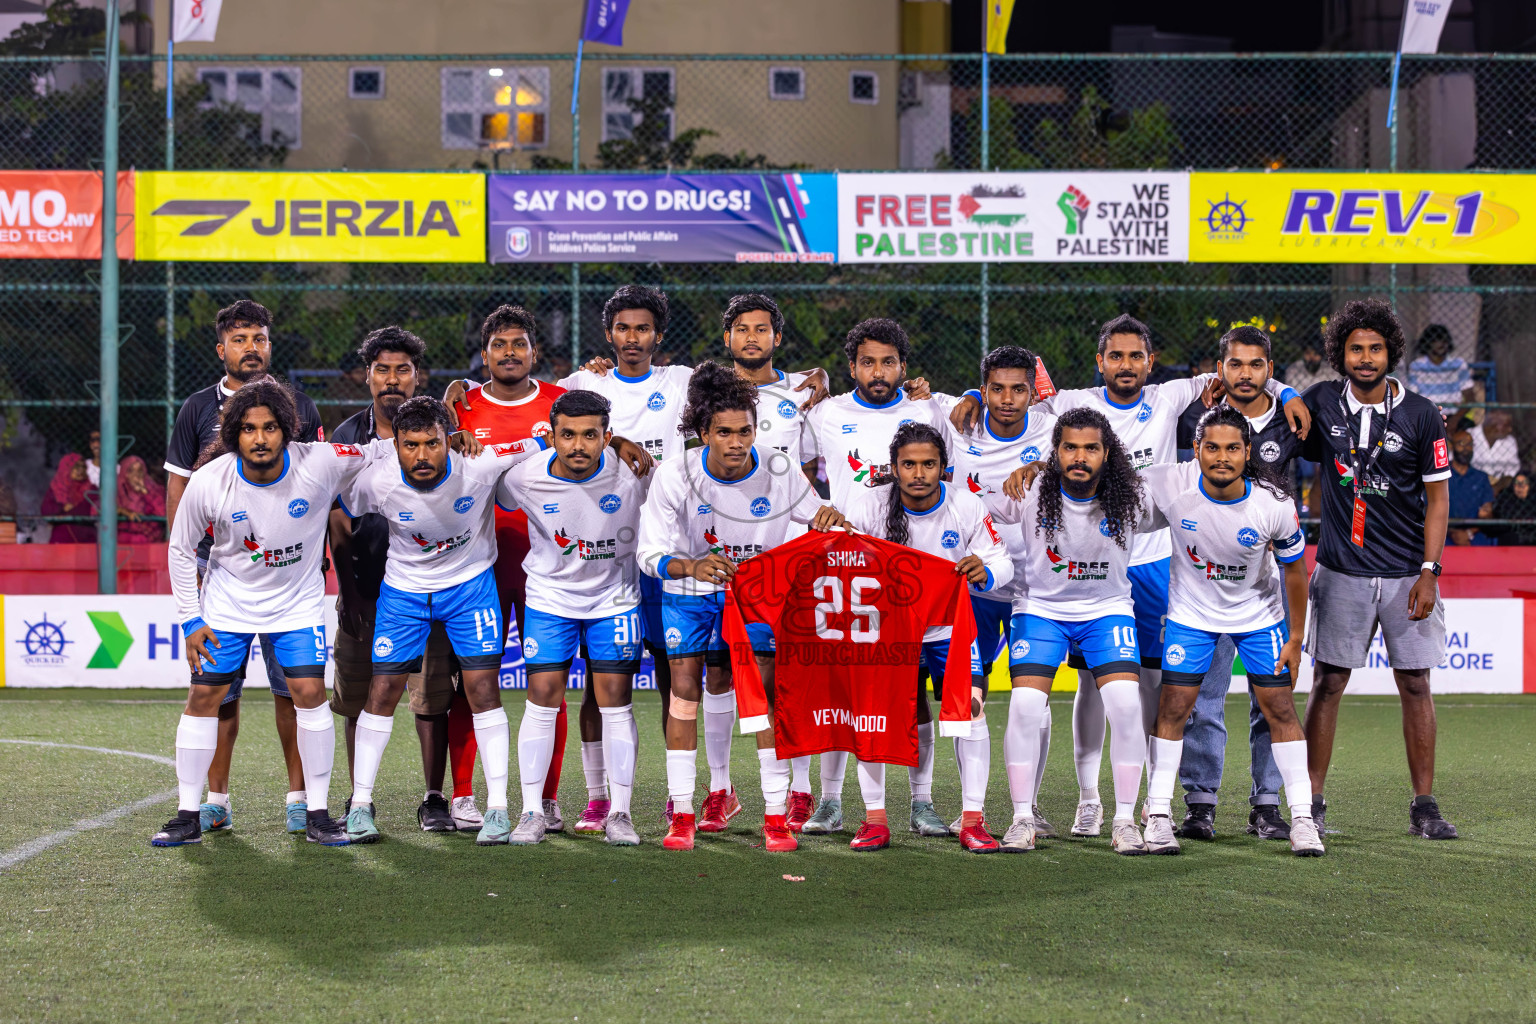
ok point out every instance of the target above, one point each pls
(1013, 217)
(408, 218)
(57, 215)
(1362, 217)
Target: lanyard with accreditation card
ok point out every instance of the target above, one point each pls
(1357, 523)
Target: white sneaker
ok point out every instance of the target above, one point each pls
(1089, 821)
(1160, 837)
(619, 830)
(1020, 836)
(530, 830)
(1125, 838)
(465, 814)
(1043, 828)
(553, 822)
(1305, 842)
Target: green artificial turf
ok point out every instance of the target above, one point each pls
(254, 925)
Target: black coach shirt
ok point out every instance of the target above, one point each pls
(370, 533)
(197, 424)
(1273, 442)
(1414, 452)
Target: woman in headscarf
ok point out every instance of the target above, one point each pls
(1517, 501)
(138, 495)
(71, 494)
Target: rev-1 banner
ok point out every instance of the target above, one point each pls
(663, 218)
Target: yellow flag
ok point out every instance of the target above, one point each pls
(999, 14)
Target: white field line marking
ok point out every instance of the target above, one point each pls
(26, 851)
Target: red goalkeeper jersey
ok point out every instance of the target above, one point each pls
(848, 614)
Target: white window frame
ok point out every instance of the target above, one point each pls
(773, 73)
(377, 69)
(637, 78)
(477, 107)
(874, 77)
(266, 107)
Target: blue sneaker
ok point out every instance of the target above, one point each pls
(360, 826)
(298, 818)
(497, 830)
(215, 818)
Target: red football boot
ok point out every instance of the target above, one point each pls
(776, 835)
(871, 837)
(680, 834)
(719, 808)
(978, 840)
(800, 807)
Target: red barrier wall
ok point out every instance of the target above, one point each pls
(71, 569)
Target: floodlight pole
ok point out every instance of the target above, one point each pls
(106, 520)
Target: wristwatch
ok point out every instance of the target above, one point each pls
(1433, 567)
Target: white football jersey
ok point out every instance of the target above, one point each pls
(263, 572)
(647, 410)
(855, 437)
(983, 463)
(582, 536)
(1080, 573)
(1224, 576)
(957, 526)
(780, 422)
(691, 513)
(442, 537)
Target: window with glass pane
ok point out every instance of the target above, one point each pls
(786, 83)
(274, 93)
(621, 85)
(495, 108)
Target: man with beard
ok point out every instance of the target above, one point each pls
(244, 346)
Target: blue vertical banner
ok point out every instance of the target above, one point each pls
(604, 22)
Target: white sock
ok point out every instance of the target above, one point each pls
(1150, 682)
(1044, 756)
(921, 777)
(317, 752)
(1291, 759)
(719, 716)
(800, 774)
(621, 738)
(1087, 736)
(222, 799)
(196, 739)
(1127, 742)
(1021, 746)
(295, 796)
(682, 777)
(834, 766)
(872, 785)
(592, 767)
(973, 754)
(495, 739)
(1163, 758)
(775, 781)
(535, 746)
(372, 737)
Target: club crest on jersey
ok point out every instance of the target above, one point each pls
(1269, 451)
(1392, 441)
(530, 648)
(541, 428)
(760, 507)
(1174, 654)
(272, 558)
(656, 402)
(1020, 650)
(1247, 536)
(1074, 569)
(674, 638)
(439, 546)
(383, 647)
(1030, 454)
(950, 540)
(1215, 570)
(298, 508)
(586, 550)
(787, 409)
(610, 503)
(464, 504)
(1144, 413)
(1104, 526)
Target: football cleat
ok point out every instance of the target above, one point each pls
(1125, 838)
(321, 828)
(594, 818)
(1306, 841)
(496, 829)
(553, 822)
(1265, 822)
(434, 816)
(296, 813)
(466, 815)
(1020, 837)
(182, 830)
(1043, 828)
(666, 815)
(828, 818)
(800, 807)
(925, 821)
(530, 829)
(1159, 837)
(1089, 821)
(1199, 822)
(216, 818)
(777, 837)
(1319, 811)
(870, 837)
(360, 825)
(1425, 820)
(619, 830)
(976, 839)
(719, 808)
(680, 833)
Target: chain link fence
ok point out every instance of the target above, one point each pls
(878, 112)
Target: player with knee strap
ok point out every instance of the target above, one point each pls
(1228, 509)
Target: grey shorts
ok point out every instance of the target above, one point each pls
(431, 689)
(1344, 612)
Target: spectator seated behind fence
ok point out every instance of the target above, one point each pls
(1439, 376)
(139, 495)
(1517, 501)
(1310, 368)
(71, 494)
(1494, 448)
(1471, 493)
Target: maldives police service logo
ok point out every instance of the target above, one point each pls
(298, 507)
(1144, 413)
(464, 504)
(656, 402)
(530, 649)
(519, 242)
(1392, 442)
(610, 503)
(950, 540)
(1247, 536)
(1173, 654)
(1030, 454)
(383, 647)
(674, 638)
(760, 507)
(787, 409)
(1269, 451)
(1020, 650)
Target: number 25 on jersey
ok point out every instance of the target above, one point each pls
(864, 619)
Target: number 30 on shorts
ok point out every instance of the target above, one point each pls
(864, 624)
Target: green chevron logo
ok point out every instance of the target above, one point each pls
(115, 639)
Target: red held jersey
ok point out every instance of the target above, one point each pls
(848, 613)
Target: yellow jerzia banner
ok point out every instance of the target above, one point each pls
(1363, 217)
(406, 218)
